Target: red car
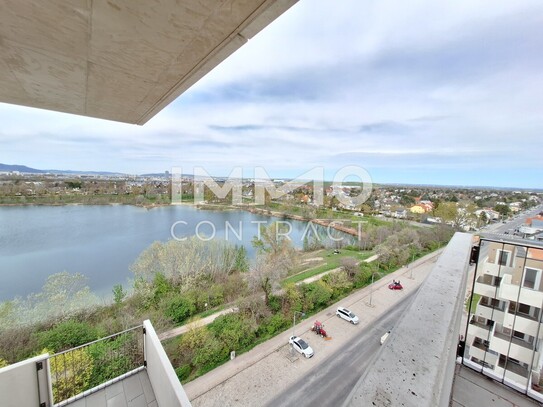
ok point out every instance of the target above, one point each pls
(395, 285)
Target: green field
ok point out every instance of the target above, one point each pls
(330, 260)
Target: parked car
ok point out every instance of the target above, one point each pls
(347, 315)
(301, 346)
(395, 285)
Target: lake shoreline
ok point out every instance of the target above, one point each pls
(212, 207)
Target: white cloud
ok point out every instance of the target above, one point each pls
(412, 87)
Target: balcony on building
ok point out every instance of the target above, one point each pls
(138, 373)
(432, 359)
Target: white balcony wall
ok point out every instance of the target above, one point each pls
(508, 291)
(496, 269)
(514, 351)
(476, 352)
(515, 381)
(478, 331)
(489, 313)
(521, 324)
(499, 345)
(166, 386)
(19, 386)
(530, 297)
(485, 289)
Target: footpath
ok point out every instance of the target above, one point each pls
(172, 333)
(260, 374)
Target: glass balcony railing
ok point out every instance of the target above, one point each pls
(511, 299)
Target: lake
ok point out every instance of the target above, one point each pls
(102, 242)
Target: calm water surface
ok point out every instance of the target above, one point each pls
(100, 242)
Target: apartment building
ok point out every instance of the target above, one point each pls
(504, 335)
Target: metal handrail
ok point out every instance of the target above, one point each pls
(96, 341)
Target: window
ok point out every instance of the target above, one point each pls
(503, 257)
(531, 278)
(518, 334)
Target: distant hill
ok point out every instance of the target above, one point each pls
(20, 168)
(28, 170)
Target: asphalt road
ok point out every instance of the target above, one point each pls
(335, 377)
(517, 221)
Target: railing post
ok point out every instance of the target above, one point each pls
(43, 377)
(144, 346)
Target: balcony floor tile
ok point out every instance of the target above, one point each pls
(132, 387)
(138, 402)
(117, 401)
(134, 391)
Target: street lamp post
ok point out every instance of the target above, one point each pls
(371, 287)
(294, 322)
(411, 271)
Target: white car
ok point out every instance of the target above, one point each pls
(347, 315)
(301, 346)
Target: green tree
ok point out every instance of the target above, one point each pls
(63, 295)
(502, 209)
(119, 294)
(185, 263)
(241, 263)
(447, 211)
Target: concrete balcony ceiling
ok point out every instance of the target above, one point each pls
(122, 60)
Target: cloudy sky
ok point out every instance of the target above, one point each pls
(419, 91)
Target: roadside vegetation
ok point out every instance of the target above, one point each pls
(180, 281)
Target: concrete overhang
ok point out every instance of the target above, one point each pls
(122, 60)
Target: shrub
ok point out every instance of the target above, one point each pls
(211, 354)
(72, 371)
(363, 277)
(216, 295)
(112, 358)
(183, 372)
(272, 325)
(292, 299)
(179, 308)
(234, 287)
(315, 295)
(119, 294)
(274, 303)
(161, 286)
(67, 335)
(233, 330)
(338, 282)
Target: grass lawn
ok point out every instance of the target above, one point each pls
(331, 260)
(476, 298)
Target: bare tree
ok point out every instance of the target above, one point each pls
(265, 275)
(350, 265)
(185, 261)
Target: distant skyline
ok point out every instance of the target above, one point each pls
(417, 92)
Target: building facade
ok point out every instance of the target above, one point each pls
(504, 332)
